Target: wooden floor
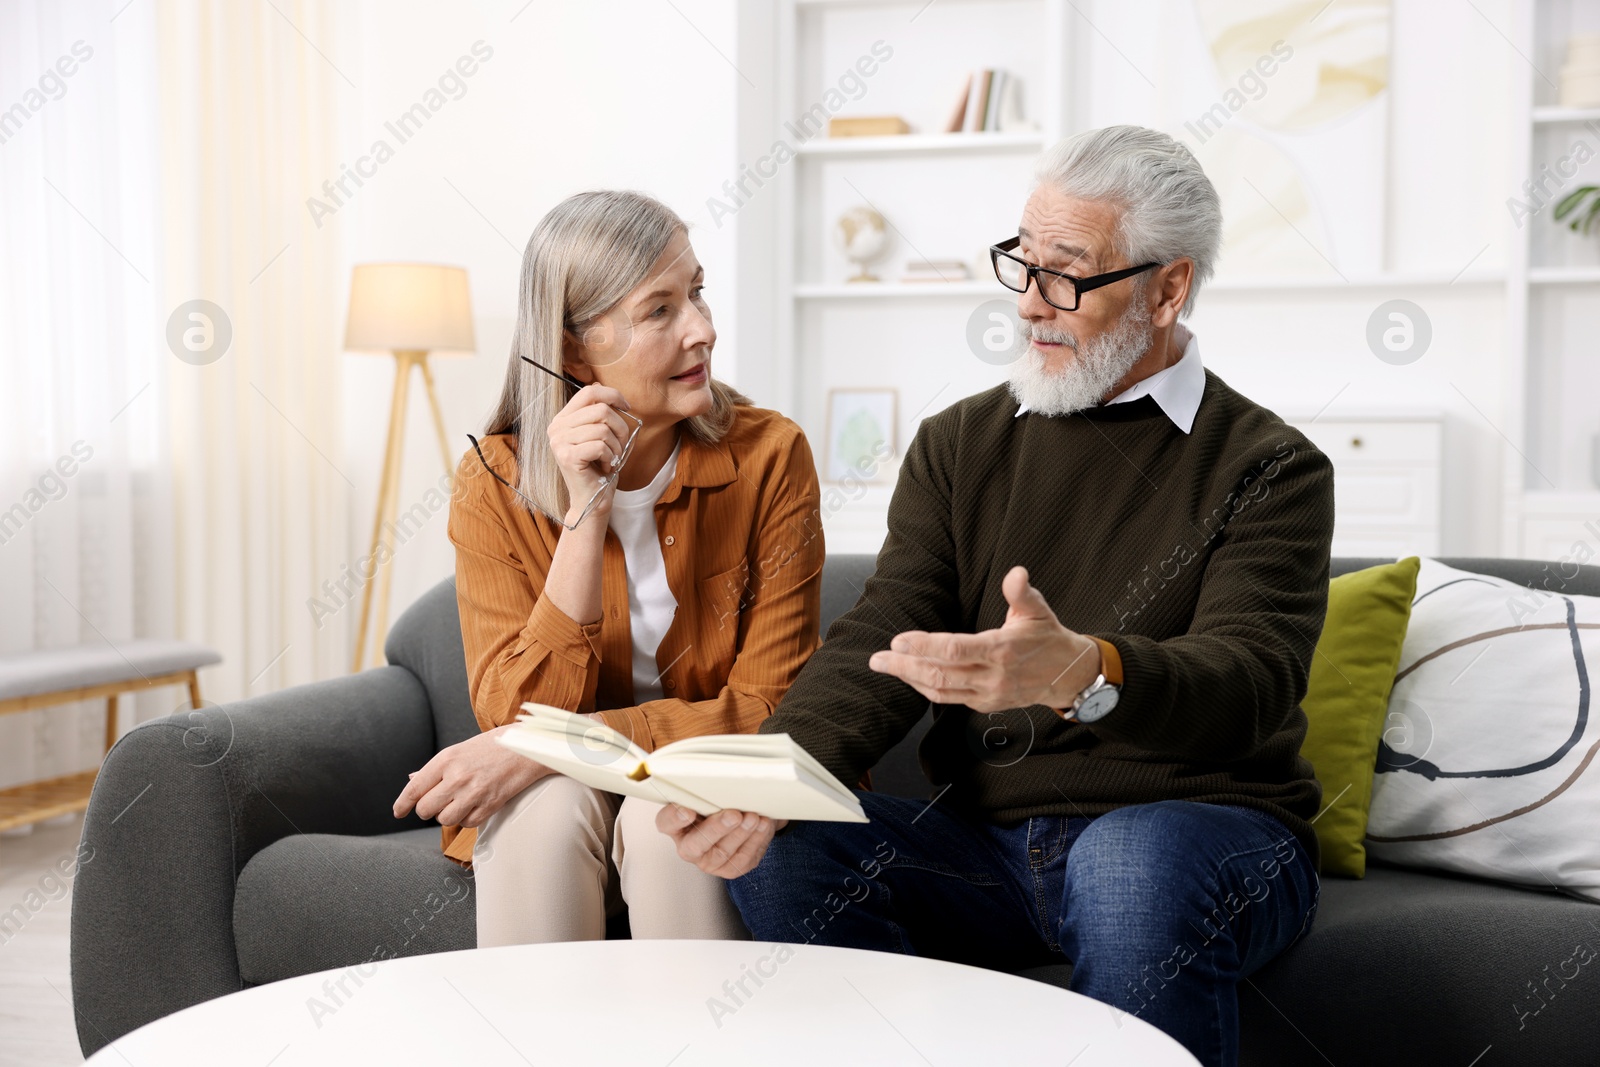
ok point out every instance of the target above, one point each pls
(35, 989)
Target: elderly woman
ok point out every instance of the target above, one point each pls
(635, 542)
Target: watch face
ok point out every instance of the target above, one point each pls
(1098, 704)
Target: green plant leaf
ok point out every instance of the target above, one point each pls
(1589, 216)
(1567, 203)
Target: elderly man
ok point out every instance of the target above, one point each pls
(1120, 562)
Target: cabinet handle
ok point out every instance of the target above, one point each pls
(1355, 442)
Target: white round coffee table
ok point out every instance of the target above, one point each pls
(650, 1004)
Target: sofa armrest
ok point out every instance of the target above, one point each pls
(183, 803)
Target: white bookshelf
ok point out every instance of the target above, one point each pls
(963, 290)
(923, 144)
(945, 196)
(1289, 283)
(1563, 275)
(1556, 115)
(1553, 313)
(1354, 282)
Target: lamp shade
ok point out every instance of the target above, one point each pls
(417, 306)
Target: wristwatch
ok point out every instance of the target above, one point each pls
(1101, 695)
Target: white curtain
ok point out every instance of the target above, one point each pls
(253, 96)
(161, 153)
(85, 484)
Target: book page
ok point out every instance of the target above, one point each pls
(605, 771)
(778, 789)
(765, 773)
(800, 796)
(588, 733)
(778, 747)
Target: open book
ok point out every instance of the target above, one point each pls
(765, 773)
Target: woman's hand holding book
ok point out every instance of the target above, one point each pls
(466, 783)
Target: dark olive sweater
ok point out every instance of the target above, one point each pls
(1203, 557)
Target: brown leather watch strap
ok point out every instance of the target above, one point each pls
(1111, 661)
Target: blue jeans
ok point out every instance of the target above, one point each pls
(1161, 908)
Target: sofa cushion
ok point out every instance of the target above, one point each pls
(1486, 766)
(316, 901)
(1347, 697)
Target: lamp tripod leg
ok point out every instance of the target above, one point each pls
(438, 417)
(390, 477)
(381, 626)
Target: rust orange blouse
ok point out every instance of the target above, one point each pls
(741, 533)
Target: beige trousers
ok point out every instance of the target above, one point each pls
(561, 857)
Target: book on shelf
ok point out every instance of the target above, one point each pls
(935, 270)
(990, 101)
(977, 100)
(868, 126)
(958, 114)
(768, 774)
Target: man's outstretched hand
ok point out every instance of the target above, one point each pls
(1030, 659)
(725, 843)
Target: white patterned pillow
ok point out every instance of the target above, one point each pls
(1486, 766)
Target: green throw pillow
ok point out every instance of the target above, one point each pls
(1347, 700)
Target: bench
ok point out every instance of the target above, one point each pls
(56, 676)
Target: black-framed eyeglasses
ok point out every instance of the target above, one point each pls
(605, 483)
(1060, 291)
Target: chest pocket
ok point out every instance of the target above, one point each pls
(722, 597)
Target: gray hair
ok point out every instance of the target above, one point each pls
(1169, 207)
(585, 255)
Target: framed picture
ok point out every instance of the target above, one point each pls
(861, 433)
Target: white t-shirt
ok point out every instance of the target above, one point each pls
(651, 604)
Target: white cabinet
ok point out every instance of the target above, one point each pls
(1564, 527)
(1388, 470)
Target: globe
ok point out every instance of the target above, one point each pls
(863, 237)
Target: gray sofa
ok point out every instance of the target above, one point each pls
(251, 842)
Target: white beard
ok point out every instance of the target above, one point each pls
(1095, 368)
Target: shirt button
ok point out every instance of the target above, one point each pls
(671, 684)
(668, 541)
(616, 613)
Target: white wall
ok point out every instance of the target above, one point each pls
(576, 96)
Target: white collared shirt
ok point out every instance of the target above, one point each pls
(1177, 389)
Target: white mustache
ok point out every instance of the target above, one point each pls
(1030, 332)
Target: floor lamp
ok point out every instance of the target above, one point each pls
(408, 310)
